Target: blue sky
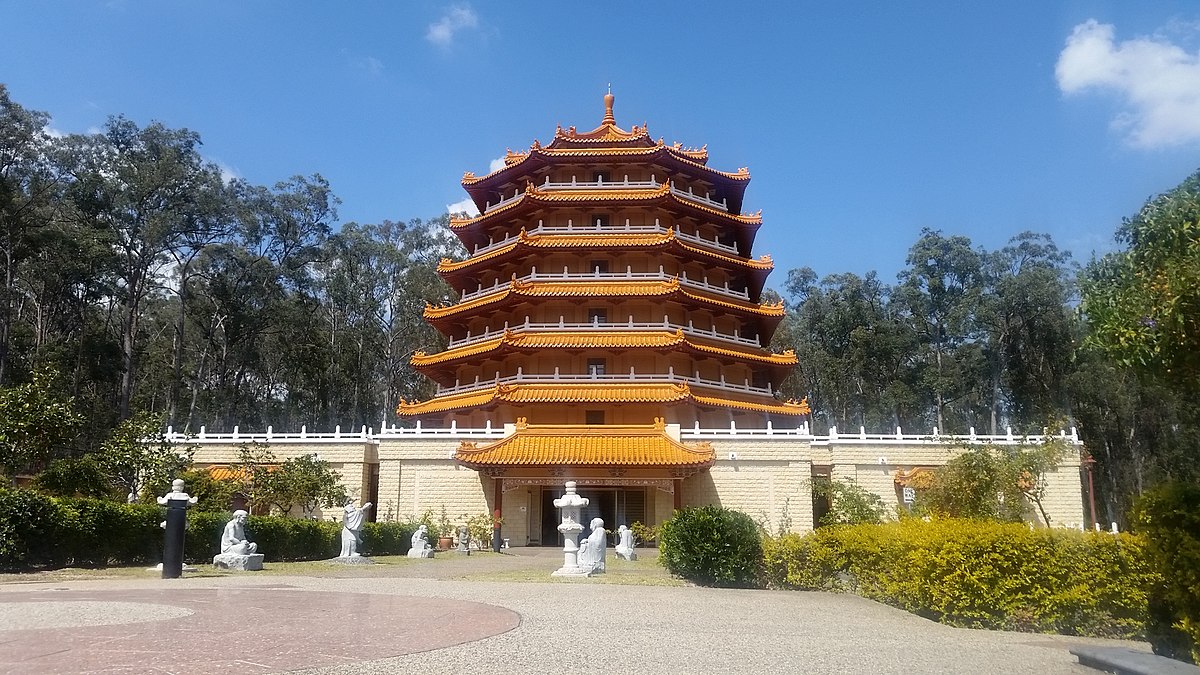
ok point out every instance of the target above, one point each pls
(860, 122)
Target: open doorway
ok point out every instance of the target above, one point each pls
(616, 505)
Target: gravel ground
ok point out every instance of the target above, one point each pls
(583, 627)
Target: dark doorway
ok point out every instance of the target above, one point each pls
(617, 506)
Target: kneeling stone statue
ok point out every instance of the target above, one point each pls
(237, 552)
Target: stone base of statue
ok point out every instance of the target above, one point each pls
(351, 560)
(575, 571)
(625, 553)
(238, 562)
(420, 553)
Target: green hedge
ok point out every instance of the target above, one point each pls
(1169, 516)
(37, 531)
(712, 546)
(978, 574)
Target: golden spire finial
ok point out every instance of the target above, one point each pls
(608, 105)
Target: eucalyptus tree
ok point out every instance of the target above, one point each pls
(942, 287)
(27, 189)
(152, 194)
(855, 349)
(1028, 329)
(252, 305)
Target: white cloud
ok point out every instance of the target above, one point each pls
(465, 206)
(371, 65)
(55, 133)
(228, 173)
(457, 18)
(1158, 81)
(496, 164)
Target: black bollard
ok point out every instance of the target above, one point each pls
(173, 541)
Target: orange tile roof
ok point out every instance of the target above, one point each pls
(789, 408)
(588, 392)
(604, 240)
(583, 392)
(219, 472)
(587, 446)
(598, 288)
(693, 158)
(535, 195)
(596, 339)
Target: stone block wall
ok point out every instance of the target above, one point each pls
(766, 477)
(350, 459)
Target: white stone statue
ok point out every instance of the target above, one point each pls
(591, 550)
(624, 548)
(351, 529)
(233, 539)
(176, 493)
(420, 544)
(238, 552)
(570, 505)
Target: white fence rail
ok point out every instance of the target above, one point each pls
(367, 434)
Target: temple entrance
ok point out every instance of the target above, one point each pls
(617, 506)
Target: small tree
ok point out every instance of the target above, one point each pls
(35, 422)
(993, 483)
(304, 481)
(849, 504)
(138, 455)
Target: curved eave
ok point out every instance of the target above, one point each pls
(590, 393)
(519, 167)
(534, 196)
(587, 446)
(525, 394)
(594, 340)
(601, 289)
(453, 271)
(788, 408)
(608, 133)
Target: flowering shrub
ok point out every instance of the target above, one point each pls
(978, 574)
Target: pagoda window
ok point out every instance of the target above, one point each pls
(594, 416)
(598, 266)
(597, 315)
(597, 367)
(602, 176)
(599, 220)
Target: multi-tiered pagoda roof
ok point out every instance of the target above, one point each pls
(609, 285)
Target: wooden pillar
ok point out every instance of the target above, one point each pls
(678, 494)
(496, 513)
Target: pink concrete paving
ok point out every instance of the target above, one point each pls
(242, 630)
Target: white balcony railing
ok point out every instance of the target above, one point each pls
(670, 377)
(597, 325)
(627, 275)
(690, 433)
(627, 228)
(626, 184)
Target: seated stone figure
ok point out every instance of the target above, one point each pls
(624, 548)
(238, 552)
(233, 539)
(592, 549)
(420, 544)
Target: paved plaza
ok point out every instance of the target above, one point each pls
(481, 615)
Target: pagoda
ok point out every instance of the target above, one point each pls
(609, 282)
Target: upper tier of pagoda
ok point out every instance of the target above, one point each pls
(605, 143)
(609, 281)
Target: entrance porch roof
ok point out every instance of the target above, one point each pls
(643, 446)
